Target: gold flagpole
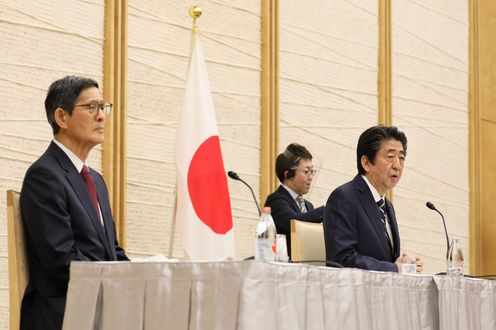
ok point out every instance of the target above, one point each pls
(194, 12)
(173, 227)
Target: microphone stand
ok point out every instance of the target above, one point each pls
(432, 207)
(253, 194)
(235, 176)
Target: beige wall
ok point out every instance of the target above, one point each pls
(430, 102)
(328, 83)
(40, 41)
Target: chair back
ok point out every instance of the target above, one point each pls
(18, 264)
(307, 242)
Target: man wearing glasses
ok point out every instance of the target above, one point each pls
(295, 172)
(64, 203)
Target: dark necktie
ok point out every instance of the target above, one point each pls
(90, 184)
(382, 206)
(301, 203)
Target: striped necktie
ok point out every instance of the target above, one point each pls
(382, 206)
(301, 203)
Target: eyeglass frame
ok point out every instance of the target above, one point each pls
(93, 110)
(307, 172)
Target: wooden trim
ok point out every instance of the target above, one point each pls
(474, 171)
(15, 295)
(114, 90)
(269, 115)
(482, 135)
(384, 82)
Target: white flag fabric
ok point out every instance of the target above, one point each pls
(203, 207)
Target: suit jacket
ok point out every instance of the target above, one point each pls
(354, 232)
(61, 225)
(284, 208)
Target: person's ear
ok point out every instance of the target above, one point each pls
(60, 117)
(366, 164)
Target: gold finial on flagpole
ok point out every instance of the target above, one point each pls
(195, 12)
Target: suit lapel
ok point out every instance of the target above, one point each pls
(394, 228)
(79, 187)
(290, 199)
(370, 207)
(77, 183)
(309, 206)
(293, 203)
(106, 216)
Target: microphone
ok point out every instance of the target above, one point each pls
(233, 175)
(432, 207)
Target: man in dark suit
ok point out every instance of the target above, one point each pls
(66, 215)
(359, 223)
(295, 172)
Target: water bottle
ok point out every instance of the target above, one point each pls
(455, 258)
(265, 240)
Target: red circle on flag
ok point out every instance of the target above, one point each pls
(207, 186)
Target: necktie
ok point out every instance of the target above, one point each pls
(382, 206)
(301, 203)
(90, 185)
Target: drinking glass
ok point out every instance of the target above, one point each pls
(408, 265)
(281, 248)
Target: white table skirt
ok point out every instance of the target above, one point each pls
(466, 303)
(245, 295)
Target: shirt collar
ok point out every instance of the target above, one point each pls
(375, 194)
(78, 163)
(290, 191)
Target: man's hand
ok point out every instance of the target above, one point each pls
(406, 259)
(420, 265)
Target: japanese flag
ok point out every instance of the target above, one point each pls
(203, 207)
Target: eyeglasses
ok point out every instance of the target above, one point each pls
(308, 172)
(94, 107)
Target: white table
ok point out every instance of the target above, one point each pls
(245, 295)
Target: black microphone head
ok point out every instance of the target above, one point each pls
(233, 175)
(430, 205)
